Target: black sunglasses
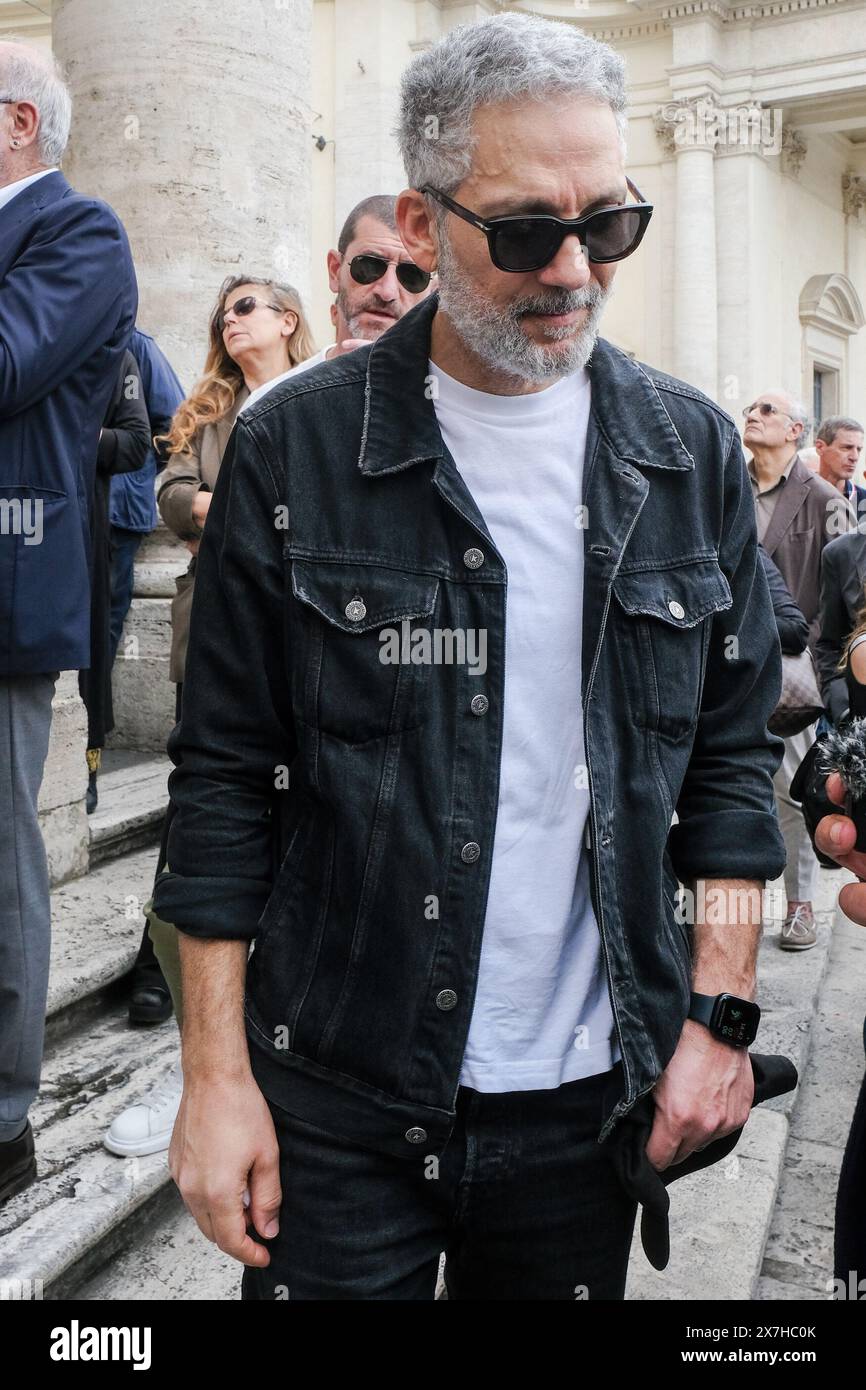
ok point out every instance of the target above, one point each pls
(244, 306)
(521, 243)
(366, 270)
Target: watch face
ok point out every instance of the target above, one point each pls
(736, 1020)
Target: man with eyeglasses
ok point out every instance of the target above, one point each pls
(374, 279)
(468, 968)
(797, 513)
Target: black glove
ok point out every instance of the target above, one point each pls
(808, 787)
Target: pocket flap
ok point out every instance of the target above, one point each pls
(682, 596)
(358, 598)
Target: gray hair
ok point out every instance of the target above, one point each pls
(830, 427)
(26, 76)
(506, 58)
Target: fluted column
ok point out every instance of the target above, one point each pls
(192, 119)
(688, 130)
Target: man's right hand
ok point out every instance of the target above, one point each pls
(836, 836)
(224, 1144)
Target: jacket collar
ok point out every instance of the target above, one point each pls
(36, 195)
(400, 426)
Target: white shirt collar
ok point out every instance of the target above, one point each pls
(12, 190)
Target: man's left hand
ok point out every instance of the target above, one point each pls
(704, 1093)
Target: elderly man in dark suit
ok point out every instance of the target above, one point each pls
(67, 308)
(797, 514)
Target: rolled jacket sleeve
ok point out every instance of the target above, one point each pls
(727, 823)
(236, 724)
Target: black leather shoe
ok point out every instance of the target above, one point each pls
(149, 1004)
(17, 1164)
(91, 797)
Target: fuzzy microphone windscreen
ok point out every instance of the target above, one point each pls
(843, 750)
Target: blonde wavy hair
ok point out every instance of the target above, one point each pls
(216, 391)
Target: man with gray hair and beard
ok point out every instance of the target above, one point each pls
(467, 965)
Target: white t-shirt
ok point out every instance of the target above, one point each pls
(284, 376)
(542, 1013)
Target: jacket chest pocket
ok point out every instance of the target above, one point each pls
(663, 627)
(356, 679)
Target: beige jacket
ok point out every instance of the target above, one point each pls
(184, 476)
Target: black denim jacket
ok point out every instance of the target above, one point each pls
(338, 512)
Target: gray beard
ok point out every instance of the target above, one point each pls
(356, 329)
(495, 335)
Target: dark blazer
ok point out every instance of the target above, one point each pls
(792, 626)
(808, 514)
(123, 447)
(68, 300)
(843, 593)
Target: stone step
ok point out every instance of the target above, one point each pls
(172, 1260)
(85, 1201)
(133, 795)
(96, 927)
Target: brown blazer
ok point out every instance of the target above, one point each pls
(184, 476)
(809, 513)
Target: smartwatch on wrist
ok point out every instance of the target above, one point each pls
(729, 1018)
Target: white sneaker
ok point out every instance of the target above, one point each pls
(146, 1128)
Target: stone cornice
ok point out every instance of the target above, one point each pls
(657, 17)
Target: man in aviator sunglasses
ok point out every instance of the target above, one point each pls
(374, 281)
(371, 273)
(470, 966)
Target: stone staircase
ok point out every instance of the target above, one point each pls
(95, 1226)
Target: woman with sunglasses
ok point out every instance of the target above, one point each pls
(257, 331)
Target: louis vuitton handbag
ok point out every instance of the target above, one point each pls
(800, 703)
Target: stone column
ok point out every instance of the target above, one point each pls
(746, 331)
(687, 129)
(193, 120)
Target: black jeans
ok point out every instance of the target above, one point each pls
(524, 1202)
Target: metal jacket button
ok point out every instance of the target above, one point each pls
(446, 999)
(676, 609)
(473, 558)
(356, 609)
(480, 704)
(469, 853)
(416, 1136)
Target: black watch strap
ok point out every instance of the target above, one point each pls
(702, 1007)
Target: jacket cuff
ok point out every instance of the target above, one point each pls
(727, 844)
(175, 507)
(224, 909)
